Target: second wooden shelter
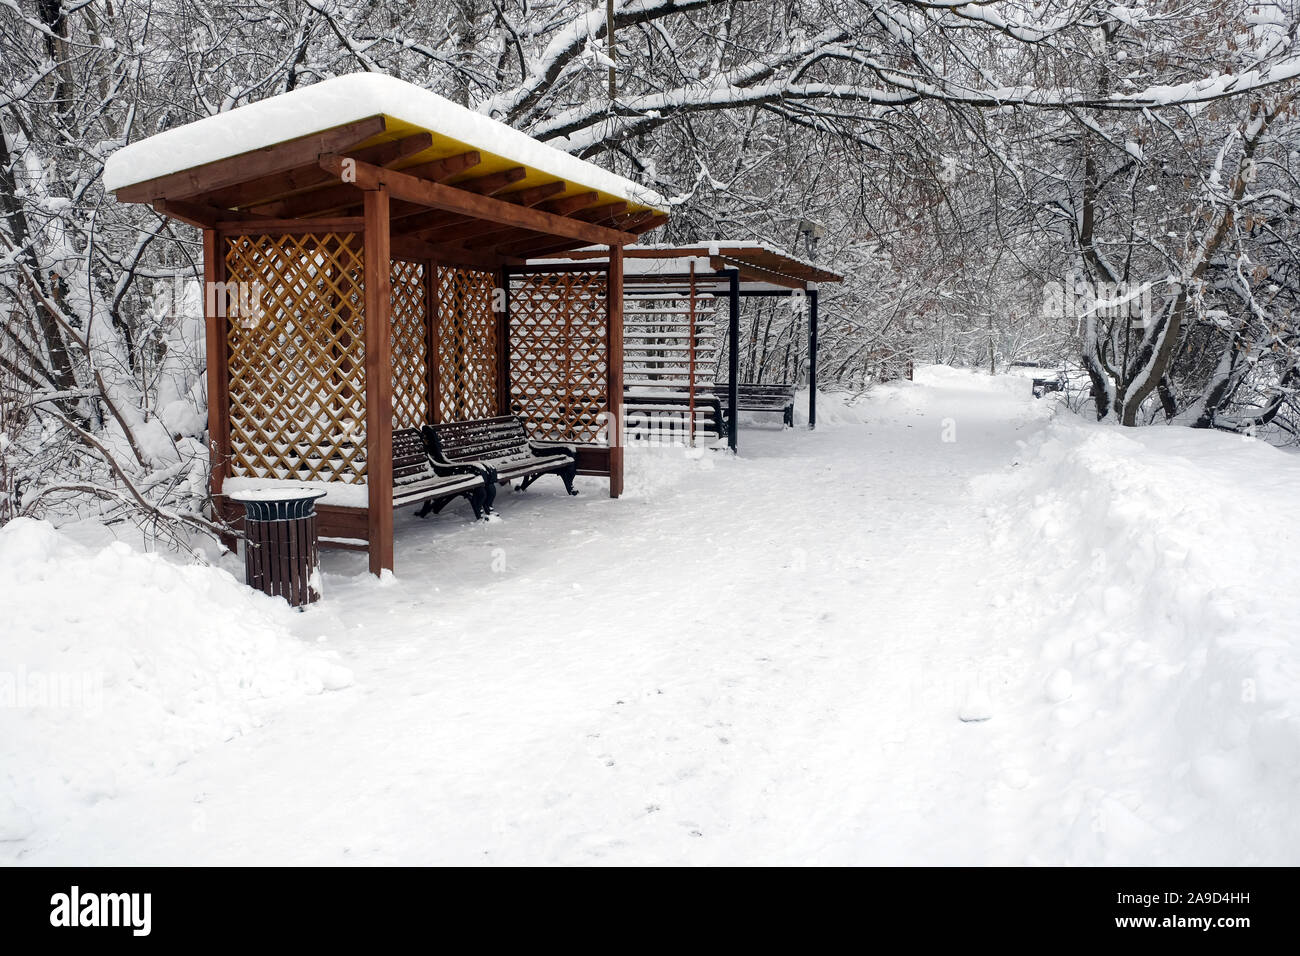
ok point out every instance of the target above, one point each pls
(728, 271)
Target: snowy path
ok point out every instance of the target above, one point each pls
(759, 660)
(743, 661)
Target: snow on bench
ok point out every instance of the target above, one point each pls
(499, 449)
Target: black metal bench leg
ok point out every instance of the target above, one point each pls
(489, 493)
(425, 509)
(523, 485)
(477, 498)
(567, 476)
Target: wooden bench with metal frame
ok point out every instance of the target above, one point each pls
(499, 449)
(417, 478)
(760, 398)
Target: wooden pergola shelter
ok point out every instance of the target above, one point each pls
(366, 251)
(732, 270)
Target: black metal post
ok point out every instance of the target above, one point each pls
(733, 357)
(812, 358)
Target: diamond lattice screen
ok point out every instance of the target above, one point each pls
(297, 363)
(559, 353)
(410, 344)
(467, 345)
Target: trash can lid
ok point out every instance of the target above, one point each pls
(277, 504)
(275, 494)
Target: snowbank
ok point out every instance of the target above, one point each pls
(835, 407)
(116, 665)
(1159, 595)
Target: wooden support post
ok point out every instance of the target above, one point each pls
(503, 342)
(431, 311)
(214, 324)
(812, 358)
(614, 293)
(379, 380)
(733, 356)
(215, 312)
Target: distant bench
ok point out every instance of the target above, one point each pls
(759, 398)
(1045, 377)
(1044, 385)
(499, 450)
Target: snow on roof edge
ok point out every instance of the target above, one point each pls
(346, 99)
(709, 247)
(720, 246)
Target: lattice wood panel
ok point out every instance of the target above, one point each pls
(297, 368)
(559, 353)
(468, 363)
(410, 344)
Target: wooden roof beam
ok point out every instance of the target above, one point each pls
(528, 240)
(461, 231)
(536, 194)
(257, 225)
(440, 170)
(403, 186)
(632, 222)
(503, 235)
(319, 202)
(267, 161)
(537, 246)
(602, 214)
(344, 197)
(196, 214)
(429, 220)
(571, 204)
(493, 183)
(282, 185)
(654, 221)
(462, 228)
(391, 153)
(410, 248)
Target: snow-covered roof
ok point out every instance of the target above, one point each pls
(721, 247)
(763, 266)
(333, 103)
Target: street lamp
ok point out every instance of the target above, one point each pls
(811, 231)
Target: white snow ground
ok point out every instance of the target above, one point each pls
(761, 660)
